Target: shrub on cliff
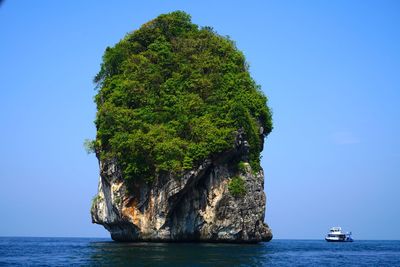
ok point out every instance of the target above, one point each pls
(172, 94)
(237, 187)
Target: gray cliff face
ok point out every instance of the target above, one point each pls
(194, 207)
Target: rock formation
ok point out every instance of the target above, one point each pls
(180, 127)
(195, 207)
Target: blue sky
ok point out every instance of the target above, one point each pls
(329, 68)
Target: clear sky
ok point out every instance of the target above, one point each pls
(331, 70)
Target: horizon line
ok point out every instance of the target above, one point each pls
(88, 237)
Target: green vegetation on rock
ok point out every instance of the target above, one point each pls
(90, 146)
(95, 199)
(172, 94)
(241, 167)
(237, 187)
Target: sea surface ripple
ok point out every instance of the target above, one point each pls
(30, 251)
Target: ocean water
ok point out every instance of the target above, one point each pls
(104, 252)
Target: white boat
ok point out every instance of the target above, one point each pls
(336, 235)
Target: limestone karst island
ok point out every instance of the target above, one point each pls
(180, 128)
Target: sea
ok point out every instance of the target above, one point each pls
(42, 251)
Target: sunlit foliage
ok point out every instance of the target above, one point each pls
(237, 187)
(172, 94)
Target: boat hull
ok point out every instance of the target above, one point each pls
(338, 240)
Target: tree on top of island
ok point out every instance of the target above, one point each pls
(172, 94)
